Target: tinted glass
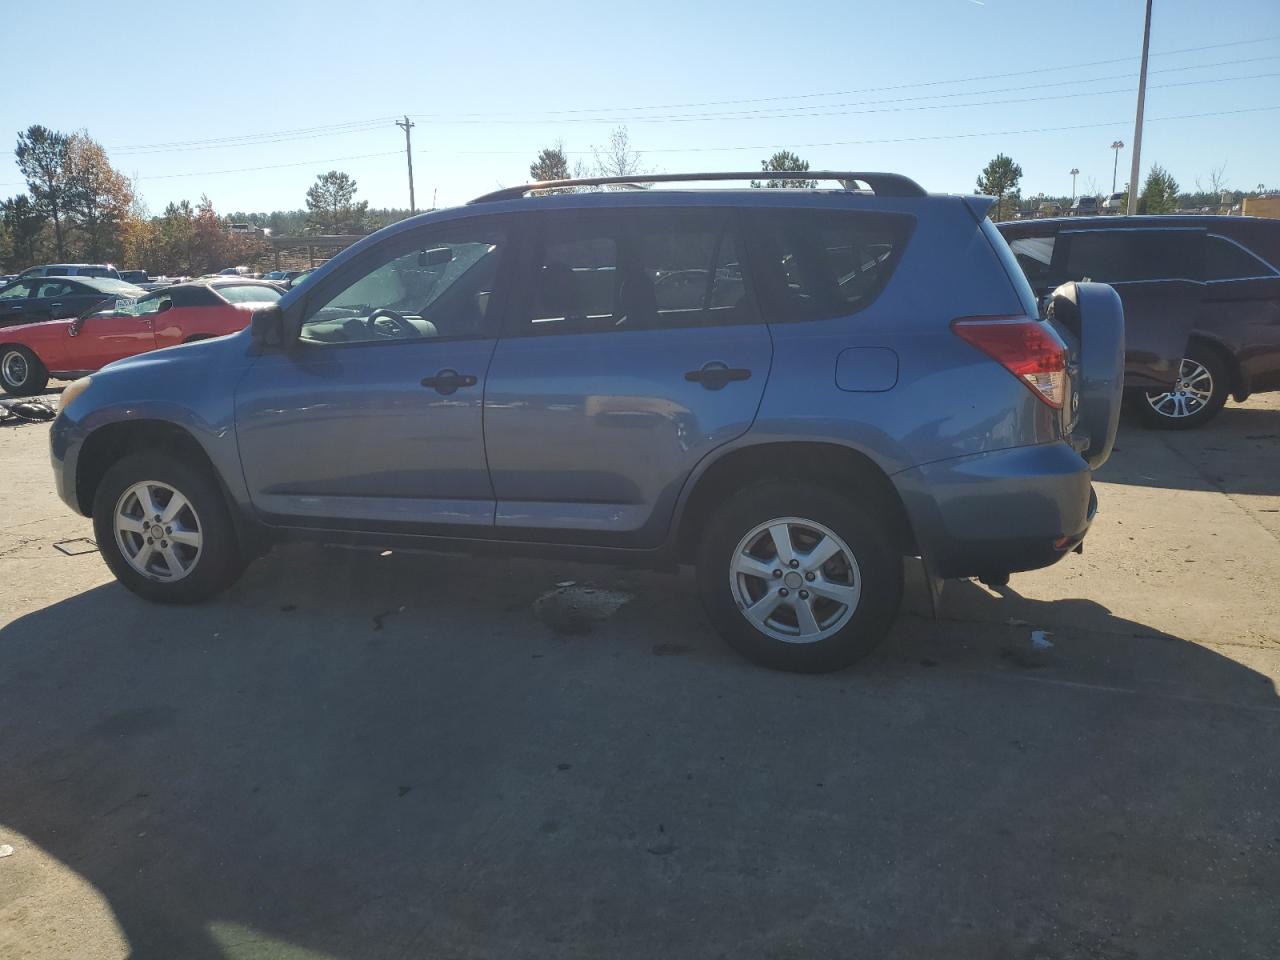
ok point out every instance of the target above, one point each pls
(1224, 260)
(440, 287)
(827, 263)
(1119, 256)
(248, 293)
(637, 270)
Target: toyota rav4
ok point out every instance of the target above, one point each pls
(790, 389)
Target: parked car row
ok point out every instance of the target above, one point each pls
(64, 349)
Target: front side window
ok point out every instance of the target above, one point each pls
(439, 286)
(828, 263)
(18, 291)
(638, 270)
(248, 293)
(1225, 260)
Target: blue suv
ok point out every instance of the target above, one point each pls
(791, 389)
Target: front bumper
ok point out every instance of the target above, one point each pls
(1001, 512)
(64, 449)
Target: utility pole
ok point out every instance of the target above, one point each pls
(406, 125)
(1134, 167)
(1074, 171)
(1117, 146)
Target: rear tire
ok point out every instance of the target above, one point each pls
(842, 567)
(1201, 390)
(21, 372)
(190, 554)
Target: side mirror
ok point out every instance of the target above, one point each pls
(164, 305)
(267, 326)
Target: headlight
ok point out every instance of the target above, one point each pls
(72, 391)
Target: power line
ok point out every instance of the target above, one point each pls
(867, 142)
(274, 166)
(764, 146)
(824, 111)
(358, 126)
(901, 86)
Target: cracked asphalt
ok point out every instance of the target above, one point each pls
(355, 755)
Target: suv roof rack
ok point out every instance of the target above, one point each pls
(882, 184)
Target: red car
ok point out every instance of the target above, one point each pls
(66, 349)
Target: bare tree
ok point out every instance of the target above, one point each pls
(617, 158)
(1217, 180)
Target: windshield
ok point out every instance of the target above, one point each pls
(139, 306)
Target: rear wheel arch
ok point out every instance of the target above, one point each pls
(833, 466)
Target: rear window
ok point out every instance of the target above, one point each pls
(1125, 256)
(826, 263)
(248, 293)
(1225, 260)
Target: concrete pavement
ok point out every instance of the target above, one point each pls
(361, 756)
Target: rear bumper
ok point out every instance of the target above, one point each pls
(1001, 512)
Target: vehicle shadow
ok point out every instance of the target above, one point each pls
(381, 756)
(1235, 453)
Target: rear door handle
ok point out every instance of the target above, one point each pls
(715, 375)
(448, 381)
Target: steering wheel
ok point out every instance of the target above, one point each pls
(403, 325)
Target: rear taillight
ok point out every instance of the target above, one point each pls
(1029, 349)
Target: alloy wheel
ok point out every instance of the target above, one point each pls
(158, 531)
(1189, 395)
(795, 580)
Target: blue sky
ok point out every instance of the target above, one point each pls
(847, 85)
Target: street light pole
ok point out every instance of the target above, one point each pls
(1074, 171)
(406, 125)
(1117, 146)
(1134, 167)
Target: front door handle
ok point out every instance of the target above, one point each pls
(448, 381)
(715, 375)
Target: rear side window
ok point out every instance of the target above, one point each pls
(826, 263)
(1124, 256)
(638, 270)
(1225, 260)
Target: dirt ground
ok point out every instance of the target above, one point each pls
(355, 756)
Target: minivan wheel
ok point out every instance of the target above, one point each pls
(795, 577)
(21, 372)
(1196, 397)
(164, 529)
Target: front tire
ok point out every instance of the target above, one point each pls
(1196, 397)
(21, 372)
(795, 577)
(164, 529)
